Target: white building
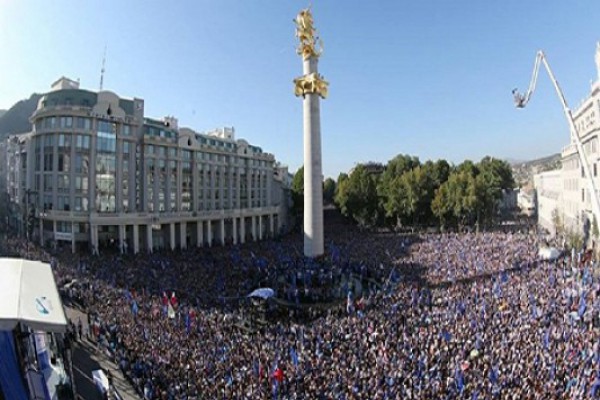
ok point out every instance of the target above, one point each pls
(566, 190)
(101, 173)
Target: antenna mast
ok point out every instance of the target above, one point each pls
(102, 70)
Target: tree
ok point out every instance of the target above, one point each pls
(441, 206)
(298, 192)
(410, 195)
(394, 169)
(328, 191)
(357, 197)
(298, 181)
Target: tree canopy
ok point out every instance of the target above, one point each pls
(434, 193)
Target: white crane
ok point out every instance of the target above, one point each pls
(521, 101)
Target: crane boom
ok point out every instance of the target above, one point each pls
(522, 100)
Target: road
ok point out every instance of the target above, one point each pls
(87, 358)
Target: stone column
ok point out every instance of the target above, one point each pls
(242, 230)
(73, 248)
(234, 229)
(172, 235)
(94, 237)
(271, 225)
(222, 229)
(122, 238)
(183, 235)
(136, 239)
(149, 244)
(253, 228)
(209, 232)
(260, 227)
(313, 176)
(199, 234)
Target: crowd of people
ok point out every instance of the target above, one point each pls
(456, 315)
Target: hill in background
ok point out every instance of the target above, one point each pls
(16, 118)
(523, 171)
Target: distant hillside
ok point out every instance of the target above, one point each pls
(16, 118)
(523, 171)
(2, 112)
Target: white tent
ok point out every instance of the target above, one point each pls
(28, 294)
(263, 293)
(548, 253)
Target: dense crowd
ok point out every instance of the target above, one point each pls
(469, 315)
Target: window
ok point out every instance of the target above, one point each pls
(66, 122)
(64, 162)
(47, 183)
(48, 140)
(63, 204)
(63, 183)
(64, 140)
(84, 123)
(126, 147)
(83, 142)
(126, 130)
(48, 162)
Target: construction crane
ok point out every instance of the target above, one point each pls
(521, 101)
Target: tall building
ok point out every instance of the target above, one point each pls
(563, 194)
(98, 172)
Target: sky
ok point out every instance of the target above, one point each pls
(426, 78)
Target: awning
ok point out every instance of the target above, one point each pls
(263, 293)
(28, 294)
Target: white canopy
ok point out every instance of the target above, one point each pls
(28, 294)
(548, 253)
(263, 293)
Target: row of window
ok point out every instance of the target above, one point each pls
(106, 142)
(158, 132)
(84, 123)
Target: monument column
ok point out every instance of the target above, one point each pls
(311, 86)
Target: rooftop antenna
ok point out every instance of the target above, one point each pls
(102, 70)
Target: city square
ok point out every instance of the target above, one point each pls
(232, 263)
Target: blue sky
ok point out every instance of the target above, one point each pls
(428, 78)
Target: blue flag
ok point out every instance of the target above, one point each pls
(294, 356)
(134, 308)
(582, 305)
(494, 375)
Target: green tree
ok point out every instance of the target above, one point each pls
(394, 169)
(494, 177)
(357, 197)
(441, 205)
(298, 192)
(410, 196)
(328, 191)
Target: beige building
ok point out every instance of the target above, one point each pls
(102, 174)
(566, 190)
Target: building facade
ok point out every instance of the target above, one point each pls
(98, 172)
(565, 192)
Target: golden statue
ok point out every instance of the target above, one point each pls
(311, 83)
(306, 34)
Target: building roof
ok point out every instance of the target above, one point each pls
(28, 294)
